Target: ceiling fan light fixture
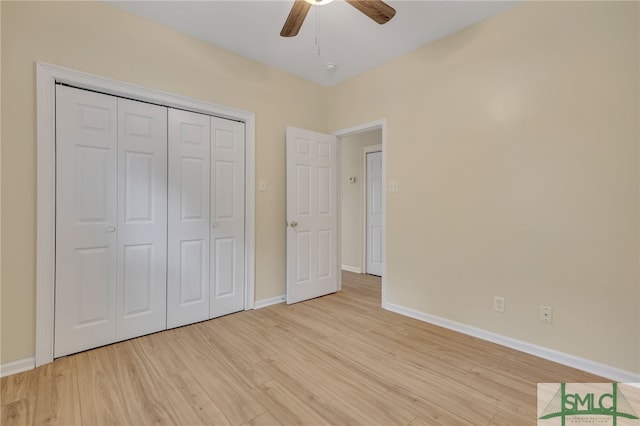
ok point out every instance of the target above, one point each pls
(377, 10)
(318, 2)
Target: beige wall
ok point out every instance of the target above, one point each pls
(100, 39)
(352, 193)
(515, 143)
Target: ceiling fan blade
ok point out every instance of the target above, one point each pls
(377, 10)
(295, 19)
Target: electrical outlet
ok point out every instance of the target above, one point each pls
(498, 303)
(394, 186)
(262, 185)
(546, 314)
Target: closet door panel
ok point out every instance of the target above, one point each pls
(86, 216)
(142, 224)
(227, 216)
(189, 203)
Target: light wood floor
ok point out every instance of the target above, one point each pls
(337, 360)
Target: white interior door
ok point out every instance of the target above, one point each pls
(86, 219)
(142, 219)
(374, 213)
(188, 232)
(312, 249)
(227, 217)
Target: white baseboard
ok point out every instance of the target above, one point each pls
(351, 269)
(270, 301)
(18, 366)
(583, 364)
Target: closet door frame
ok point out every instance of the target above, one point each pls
(47, 76)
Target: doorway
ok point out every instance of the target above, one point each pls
(355, 143)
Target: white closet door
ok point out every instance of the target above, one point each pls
(188, 245)
(227, 217)
(142, 219)
(86, 163)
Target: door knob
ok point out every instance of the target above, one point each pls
(111, 228)
(293, 224)
(214, 224)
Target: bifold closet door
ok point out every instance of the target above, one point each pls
(86, 219)
(142, 219)
(110, 219)
(206, 218)
(227, 217)
(189, 203)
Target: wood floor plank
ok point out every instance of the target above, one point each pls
(419, 421)
(142, 389)
(18, 412)
(339, 359)
(237, 406)
(191, 403)
(232, 398)
(425, 410)
(58, 401)
(17, 387)
(506, 418)
(163, 361)
(340, 399)
(287, 407)
(483, 386)
(264, 419)
(310, 391)
(155, 415)
(100, 394)
(223, 357)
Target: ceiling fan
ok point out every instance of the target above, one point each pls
(377, 10)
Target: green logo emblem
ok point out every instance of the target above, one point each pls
(588, 400)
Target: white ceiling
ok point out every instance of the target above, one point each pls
(344, 35)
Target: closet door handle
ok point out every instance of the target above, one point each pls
(214, 224)
(111, 228)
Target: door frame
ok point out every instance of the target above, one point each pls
(365, 230)
(47, 76)
(366, 127)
